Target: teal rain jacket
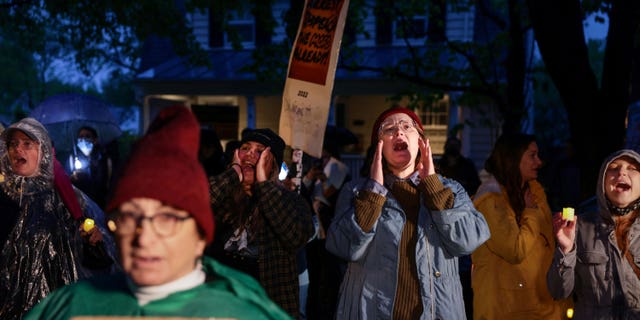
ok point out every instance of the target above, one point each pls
(226, 294)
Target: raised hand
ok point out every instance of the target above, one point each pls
(237, 166)
(425, 166)
(92, 236)
(530, 199)
(376, 164)
(263, 167)
(565, 231)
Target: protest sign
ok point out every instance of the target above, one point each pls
(310, 77)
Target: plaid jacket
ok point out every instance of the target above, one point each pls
(287, 228)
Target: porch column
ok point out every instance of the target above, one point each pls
(251, 112)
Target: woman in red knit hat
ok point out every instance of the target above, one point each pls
(402, 230)
(162, 221)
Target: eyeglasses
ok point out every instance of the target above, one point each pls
(164, 224)
(390, 128)
(23, 144)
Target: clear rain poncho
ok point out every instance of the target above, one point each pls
(41, 245)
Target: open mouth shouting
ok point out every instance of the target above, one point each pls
(19, 161)
(248, 165)
(400, 145)
(621, 187)
(22, 166)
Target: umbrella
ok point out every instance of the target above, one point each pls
(64, 114)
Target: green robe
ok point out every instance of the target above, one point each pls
(227, 293)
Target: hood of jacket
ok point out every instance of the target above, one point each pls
(600, 191)
(488, 185)
(15, 185)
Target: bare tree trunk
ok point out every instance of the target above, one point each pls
(516, 67)
(558, 29)
(617, 73)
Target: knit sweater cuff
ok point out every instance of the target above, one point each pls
(437, 197)
(368, 207)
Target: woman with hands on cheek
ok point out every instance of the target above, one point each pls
(598, 256)
(402, 229)
(261, 224)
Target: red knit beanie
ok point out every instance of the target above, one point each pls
(164, 166)
(391, 111)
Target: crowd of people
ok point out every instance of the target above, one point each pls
(187, 229)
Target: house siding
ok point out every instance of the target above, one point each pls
(200, 23)
(459, 25)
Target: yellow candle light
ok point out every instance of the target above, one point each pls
(88, 224)
(568, 213)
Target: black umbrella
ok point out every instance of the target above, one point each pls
(64, 114)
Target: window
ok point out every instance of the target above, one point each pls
(402, 23)
(411, 29)
(240, 27)
(435, 118)
(436, 114)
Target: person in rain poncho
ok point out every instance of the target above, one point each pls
(43, 246)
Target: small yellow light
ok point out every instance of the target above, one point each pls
(568, 213)
(112, 225)
(570, 313)
(88, 225)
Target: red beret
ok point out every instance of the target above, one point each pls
(164, 166)
(387, 113)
